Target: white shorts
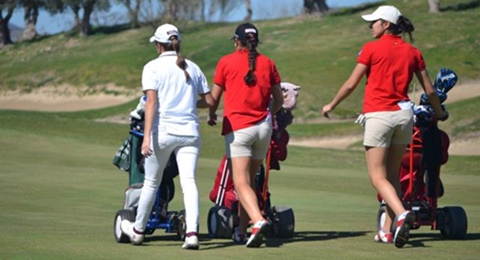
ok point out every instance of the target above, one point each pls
(383, 129)
(251, 142)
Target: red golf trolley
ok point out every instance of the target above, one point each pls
(420, 170)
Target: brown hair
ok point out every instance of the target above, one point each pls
(404, 25)
(174, 45)
(251, 44)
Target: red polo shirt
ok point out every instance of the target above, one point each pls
(391, 64)
(244, 105)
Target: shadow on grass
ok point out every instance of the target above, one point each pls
(307, 236)
(419, 239)
(310, 236)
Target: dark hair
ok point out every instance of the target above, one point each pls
(404, 25)
(251, 43)
(174, 45)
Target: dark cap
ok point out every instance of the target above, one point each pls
(243, 30)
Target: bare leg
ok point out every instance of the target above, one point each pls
(394, 159)
(244, 170)
(378, 164)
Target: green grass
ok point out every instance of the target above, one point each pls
(61, 193)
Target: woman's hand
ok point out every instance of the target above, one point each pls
(326, 109)
(443, 116)
(212, 119)
(146, 150)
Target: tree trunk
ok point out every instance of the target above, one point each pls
(78, 21)
(322, 6)
(315, 6)
(133, 12)
(248, 5)
(134, 22)
(86, 29)
(30, 17)
(202, 10)
(434, 6)
(5, 37)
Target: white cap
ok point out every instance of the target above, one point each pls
(385, 12)
(164, 32)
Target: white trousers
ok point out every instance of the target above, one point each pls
(186, 149)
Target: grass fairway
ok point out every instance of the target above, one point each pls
(60, 193)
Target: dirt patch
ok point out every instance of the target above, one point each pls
(66, 98)
(467, 146)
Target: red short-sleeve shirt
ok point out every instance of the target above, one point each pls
(391, 64)
(244, 105)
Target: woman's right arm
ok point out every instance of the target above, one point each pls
(150, 105)
(426, 84)
(347, 88)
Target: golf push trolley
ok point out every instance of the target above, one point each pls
(420, 169)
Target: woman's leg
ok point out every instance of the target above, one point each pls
(154, 166)
(395, 154)
(244, 182)
(376, 158)
(187, 157)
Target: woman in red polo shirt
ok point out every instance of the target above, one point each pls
(250, 81)
(389, 64)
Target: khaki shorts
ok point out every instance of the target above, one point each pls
(383, 129)
(251, 142)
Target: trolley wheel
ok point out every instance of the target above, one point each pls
(122, 214)
(454, 224)
(284, 222)
(381, 216)
(220, 222)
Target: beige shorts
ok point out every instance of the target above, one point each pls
(251, 142)
(383, 129)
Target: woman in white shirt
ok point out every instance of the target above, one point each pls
(172, 85)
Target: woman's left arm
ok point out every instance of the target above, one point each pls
(277, 95)
(216, 96)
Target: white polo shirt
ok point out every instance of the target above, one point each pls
(177, 97)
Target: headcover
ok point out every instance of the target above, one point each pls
(444, 82)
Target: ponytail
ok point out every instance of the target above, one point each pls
(174, 45)
(404, 25)
(251, 44)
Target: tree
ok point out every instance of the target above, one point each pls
(30, 17)
(315, 6)
(434, 6)
(212, 7)
(133, 10)
(83, 23)
(9, 7)
(248, 5)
